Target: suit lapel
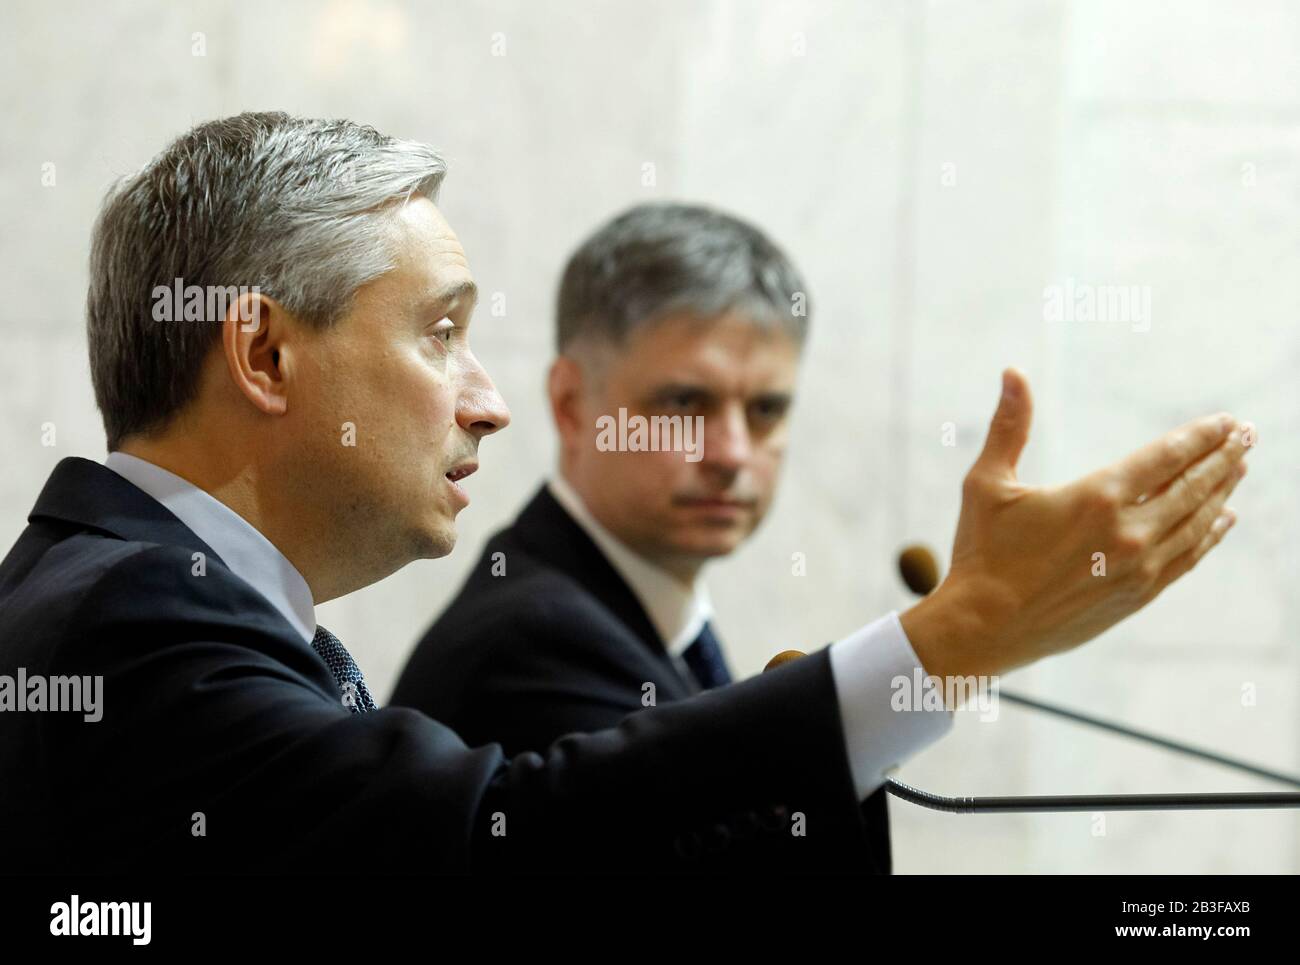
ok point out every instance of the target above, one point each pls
(548, 532)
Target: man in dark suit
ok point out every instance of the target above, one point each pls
(591, 606)
(277, 324)
(224, 743)
(306, 440)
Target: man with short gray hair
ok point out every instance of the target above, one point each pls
(678, 330)
(278, 326)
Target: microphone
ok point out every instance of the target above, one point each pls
(920, 571)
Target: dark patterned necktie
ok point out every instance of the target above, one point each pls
(704, 657)
(356, 696)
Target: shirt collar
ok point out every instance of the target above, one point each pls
(248, 554)
(676, 611)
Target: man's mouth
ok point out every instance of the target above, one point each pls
(455, 475)
(724, 504)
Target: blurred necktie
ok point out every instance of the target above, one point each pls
(704, 657)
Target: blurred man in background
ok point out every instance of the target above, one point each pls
(673, 315)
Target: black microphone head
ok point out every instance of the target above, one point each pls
(919, 569)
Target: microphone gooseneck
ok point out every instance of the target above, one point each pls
(920, 572)
(1095, 802)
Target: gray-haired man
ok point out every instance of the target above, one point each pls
(308, 438)
(679, 334)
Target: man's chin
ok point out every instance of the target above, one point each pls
(711, 543)
(436, 543)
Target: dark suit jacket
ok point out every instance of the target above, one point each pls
(212, 703)
(558, 643)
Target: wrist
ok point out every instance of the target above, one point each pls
(947, 633)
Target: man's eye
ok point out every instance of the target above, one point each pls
(681, 400)
(444, 331)
(770, 409)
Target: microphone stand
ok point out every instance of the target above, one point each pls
(1099, 802)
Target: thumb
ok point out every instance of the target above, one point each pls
(1009, 430)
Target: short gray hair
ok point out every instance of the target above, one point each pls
(293, 206)
(661, 259)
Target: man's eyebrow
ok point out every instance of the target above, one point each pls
(663, 391)
(462, 291)
(672, 386)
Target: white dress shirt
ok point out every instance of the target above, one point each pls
(864, 664)
(676, 611)
(249, 555)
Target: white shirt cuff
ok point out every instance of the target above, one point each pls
(878, 737)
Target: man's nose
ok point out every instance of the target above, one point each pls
(480, 409)
(727, 444)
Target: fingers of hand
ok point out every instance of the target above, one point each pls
(1184, 562)
(1194, 487)
(1189, 532)
(1150, 467)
